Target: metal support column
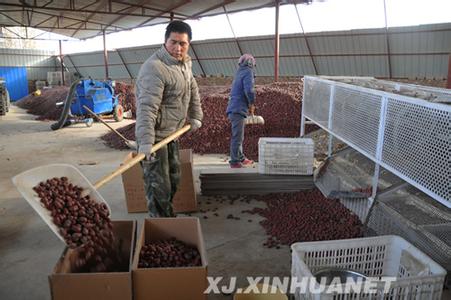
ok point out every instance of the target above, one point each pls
(448, 85)
(329, 123)
(125, 65)
(72, 62)
(379, 148)
(105, 55)
(198, 61)
(62, 63)
(302, 133)
(233, 32)
(276, 44)
(387, 41)
(306, 41)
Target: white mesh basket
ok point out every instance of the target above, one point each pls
(288, 156)
(417, 275)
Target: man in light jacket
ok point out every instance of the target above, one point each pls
(166, 96)
(241, 102)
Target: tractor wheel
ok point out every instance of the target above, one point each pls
(118, 113)
(2, 101)
(8, 101)
(2, 105)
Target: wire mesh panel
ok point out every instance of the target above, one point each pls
(318, 108)
(405, 129)
(416, 217)
(356, 116)
(418, 144)
(441, 234)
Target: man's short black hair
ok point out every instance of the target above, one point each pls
(179, 27)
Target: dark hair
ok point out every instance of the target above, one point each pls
(179, 27)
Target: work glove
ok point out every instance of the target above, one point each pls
(131, 144)
(195, 124)
(145, 149)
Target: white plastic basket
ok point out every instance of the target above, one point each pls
(417, 275)
(288, 156)
(25, 182)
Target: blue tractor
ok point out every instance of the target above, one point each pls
(98, 96)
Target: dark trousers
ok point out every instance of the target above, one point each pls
(236, 142)
(161, 179)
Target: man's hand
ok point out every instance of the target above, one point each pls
(195, 124)
(252, 109)
(146, 150)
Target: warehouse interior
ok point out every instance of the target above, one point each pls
(350, 144)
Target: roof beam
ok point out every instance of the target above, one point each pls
(78, 19)
(42, 22)
(127, 10)
(211, 8)
(32, 38)
(58, 28)
(306, 40)
(233, 31)
(82, 10)
(59, 15)
(15, 33)
(14, 20)
(150, 7)
(169, 10)
(89, 17)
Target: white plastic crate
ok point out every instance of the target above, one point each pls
(417, 275)
(288, 156)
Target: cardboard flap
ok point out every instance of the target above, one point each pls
(66, 262)
(125, 233)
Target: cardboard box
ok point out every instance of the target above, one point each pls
(95, 286)
(184, 200)
(170, 283)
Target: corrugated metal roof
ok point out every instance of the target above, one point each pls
(87, 18)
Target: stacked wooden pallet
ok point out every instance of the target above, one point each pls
(226, 181)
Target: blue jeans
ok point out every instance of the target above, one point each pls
(236, 142)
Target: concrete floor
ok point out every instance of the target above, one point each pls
(29, 249)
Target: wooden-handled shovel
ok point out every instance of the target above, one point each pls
(140, 156)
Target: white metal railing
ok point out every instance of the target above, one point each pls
(409, 136)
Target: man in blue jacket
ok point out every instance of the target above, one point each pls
(241, 103)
